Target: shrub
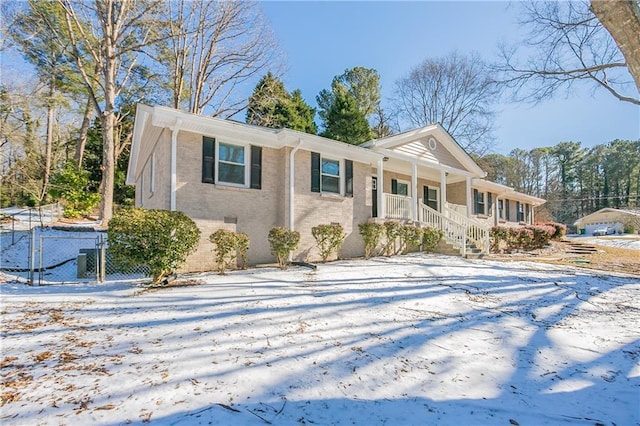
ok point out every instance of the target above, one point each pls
(371, 234)
(542, 234)
(497, 235)
(411, 237)
(69, 184)
(560, 230)
(242, 244)
(282, 242)
(628, 228)
(226, 243)
(392, 231)
(430, 238)
(159, 239)
(329, 239)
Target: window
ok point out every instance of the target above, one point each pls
(400, 188)
(478, 204)
(519, 211)
(430, 197)
(231, 164)
(330, 175)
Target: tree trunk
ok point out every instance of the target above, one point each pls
(49, 143)
(84, 131)
(622, 19)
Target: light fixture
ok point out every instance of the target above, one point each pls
(385, 158)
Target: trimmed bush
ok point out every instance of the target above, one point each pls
(430, 239)
(159, 239)
(523, 238)
(282, 242)
(392, 231)
(226, 243)
(560, 230)
(242, 244)
(411, 237)
(69, 184)
(371, 234)
(329, 239)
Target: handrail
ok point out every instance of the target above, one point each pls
(397, 206)
(454, 233)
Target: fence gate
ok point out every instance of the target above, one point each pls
(65, 259)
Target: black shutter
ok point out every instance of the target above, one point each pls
(348, 173)
(394, 186)
(256, 167)
(489, 208)
(315, 172)
(476, 205)
(425, 195)
(208, 159)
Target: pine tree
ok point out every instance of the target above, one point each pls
(271, 105)
(343, 120)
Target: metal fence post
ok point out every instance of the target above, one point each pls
(32, 249)
(40, 260)
(103, 259)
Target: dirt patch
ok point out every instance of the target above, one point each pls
(603, 258)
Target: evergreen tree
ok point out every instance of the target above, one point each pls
(343, 120)
(271, 105)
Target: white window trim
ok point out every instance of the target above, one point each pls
(152, 183)
(247, 164)
(405, 182)
(341, 182)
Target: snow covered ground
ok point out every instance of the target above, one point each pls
(413, 340)
(622, 241)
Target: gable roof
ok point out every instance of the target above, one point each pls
(150, 122)
(429, 145)
(606, 210)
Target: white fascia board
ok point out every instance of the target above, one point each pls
(330, 147)
(216, 127)
(142, 117)
(496, 188)
(432, 130)
(410, 159)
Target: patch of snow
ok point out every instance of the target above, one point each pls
(411, 340)
(621, 241)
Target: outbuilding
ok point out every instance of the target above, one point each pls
(615, 218)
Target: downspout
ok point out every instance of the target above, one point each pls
(174, 153)
(292, 185)
(292, 191)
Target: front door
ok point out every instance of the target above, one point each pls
(374, 196)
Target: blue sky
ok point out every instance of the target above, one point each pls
(322, 39)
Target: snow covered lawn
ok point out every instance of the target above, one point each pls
(420, 339)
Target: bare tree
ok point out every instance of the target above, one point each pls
(455, 91)
(622, 19)
(107, 36)
(565, 44)
(213, 48)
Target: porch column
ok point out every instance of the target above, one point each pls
(496, 219)
(533, 218)
(443, 190)
(174, 154)
(381, 207)
(414, 192)
(469, 198)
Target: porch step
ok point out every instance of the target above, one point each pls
(446, 248)
(473, 252)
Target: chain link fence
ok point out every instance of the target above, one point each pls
(44, 256)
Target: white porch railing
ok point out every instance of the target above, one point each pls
(477, 232)
(397, 206)
(454, 233)
(458, 229)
